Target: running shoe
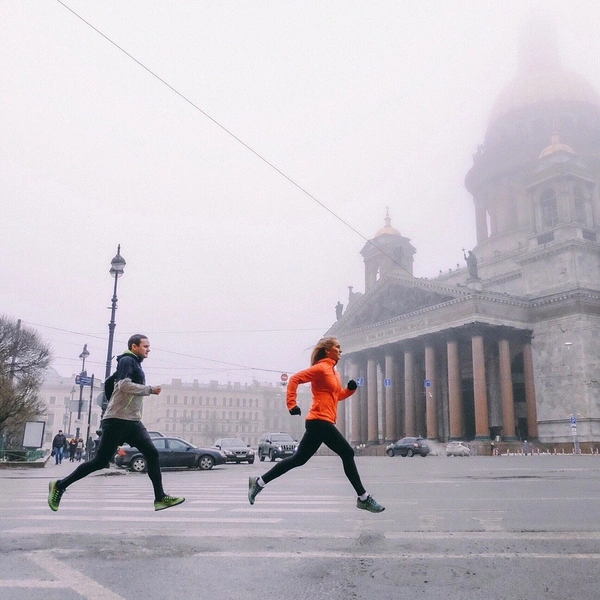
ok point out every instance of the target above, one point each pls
(166, 502)
(370, 504)
(54, 495)
(253, 489)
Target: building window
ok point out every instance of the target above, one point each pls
(169, 399)
(549, 208)
(52, 399)
(579, 205)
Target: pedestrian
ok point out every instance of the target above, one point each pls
(79, 449)
(58, 447)
(320, 426)
(122, 423)
(72, 448)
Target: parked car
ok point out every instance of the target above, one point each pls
(235, 450)
(172, 452)
(156, 434)
(276, 445)
(458, 449)
(408, 446)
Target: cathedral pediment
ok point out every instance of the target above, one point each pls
(394, 298)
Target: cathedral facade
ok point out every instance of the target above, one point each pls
(508, 347)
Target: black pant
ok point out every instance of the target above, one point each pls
(317, 433)
(115, 432)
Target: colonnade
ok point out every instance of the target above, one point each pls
(450, 385)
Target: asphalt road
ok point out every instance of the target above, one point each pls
(517, 527)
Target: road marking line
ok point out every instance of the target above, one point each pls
(71, 578)
(402, 555)
(286, 510)
(30, 583)
(149, 519)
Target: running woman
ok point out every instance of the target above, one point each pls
(320, 423)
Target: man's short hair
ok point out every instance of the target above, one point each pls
(136, 340)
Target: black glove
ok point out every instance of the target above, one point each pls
(352, 385)
(295, 411)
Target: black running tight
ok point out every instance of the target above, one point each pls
(115, 432)
(317, 433)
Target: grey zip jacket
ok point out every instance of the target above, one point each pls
(130, 389)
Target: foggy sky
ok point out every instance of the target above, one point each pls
(233, 269)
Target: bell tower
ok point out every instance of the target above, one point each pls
(387, 251)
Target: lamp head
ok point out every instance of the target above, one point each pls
(117, 264)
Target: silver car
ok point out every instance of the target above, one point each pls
(458, 449)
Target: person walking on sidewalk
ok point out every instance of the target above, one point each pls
(327, 391)
(58, 447)
(122, 423)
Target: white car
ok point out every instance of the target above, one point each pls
(458, 449)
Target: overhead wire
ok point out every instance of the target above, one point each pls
(229, 133)
(250, 149)
(173, 352)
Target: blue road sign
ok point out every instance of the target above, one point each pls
(428, 383)
(573, 420)
(81, 380)
(360, 381)
(387, 382)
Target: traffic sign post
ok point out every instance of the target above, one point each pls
(576, 449)
(284, 378)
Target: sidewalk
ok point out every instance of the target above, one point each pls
(52, 471)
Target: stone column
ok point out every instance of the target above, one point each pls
(341, 416)
(409, 393)
(482, 428)
(431, 393)
(354, 407)
(372, 422)
(532, 427)
(506, 390)
(454, 393)
(480, 221)
(390, 401)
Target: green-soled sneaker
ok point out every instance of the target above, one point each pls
(167, 501)
(370, 504)
(54, 495)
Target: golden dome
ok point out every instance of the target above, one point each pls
(387, 228)
(541, 77)
(555, 146)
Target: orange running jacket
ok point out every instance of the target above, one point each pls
(327, 390)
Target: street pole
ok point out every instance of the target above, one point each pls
(84, 354)
(87, 437)
(117, 266)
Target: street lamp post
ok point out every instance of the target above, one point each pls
(84, 354)
(71, 408)
(117, 266)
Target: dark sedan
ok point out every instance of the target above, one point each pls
(235, 450)
(172, 452)
(408, 446)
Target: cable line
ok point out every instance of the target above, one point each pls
(228, 132)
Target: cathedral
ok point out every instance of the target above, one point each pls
(508, 347)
